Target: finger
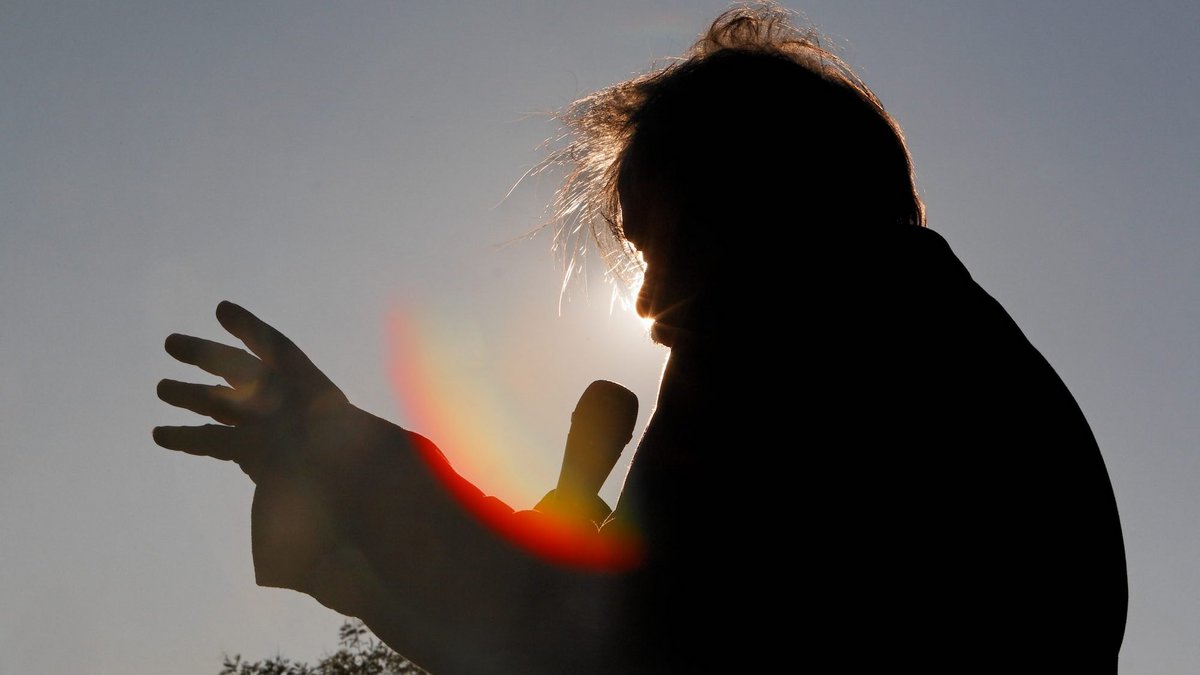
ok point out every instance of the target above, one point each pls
(210, 440)
(225, 405)
(273, 347)
(237, 366)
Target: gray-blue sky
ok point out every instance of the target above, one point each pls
(326, 163)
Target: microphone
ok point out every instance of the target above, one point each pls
(601, 426)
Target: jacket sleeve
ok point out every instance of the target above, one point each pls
(398, 539)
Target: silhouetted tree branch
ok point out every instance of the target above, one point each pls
(359, 653)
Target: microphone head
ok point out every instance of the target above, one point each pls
(611, 403)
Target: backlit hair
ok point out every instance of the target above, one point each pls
(756, 113)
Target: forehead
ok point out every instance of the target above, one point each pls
(642, 200)
(627, 177)
(637, 211)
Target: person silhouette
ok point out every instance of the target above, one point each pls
(855, 457)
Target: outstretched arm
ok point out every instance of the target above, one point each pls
(360, 514)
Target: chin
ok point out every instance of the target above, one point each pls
(656, 335)
(667, 322)
(662, 334)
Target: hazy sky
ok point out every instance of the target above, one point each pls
(340, 167)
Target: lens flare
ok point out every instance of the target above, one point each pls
(431, 375)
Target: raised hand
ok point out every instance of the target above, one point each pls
(370, 520)
(277, 401)
(297, 437)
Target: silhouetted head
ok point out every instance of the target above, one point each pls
(716, 167)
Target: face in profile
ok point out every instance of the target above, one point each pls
(678, 264)
(652, 225)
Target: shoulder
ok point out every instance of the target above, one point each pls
(925, 255)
